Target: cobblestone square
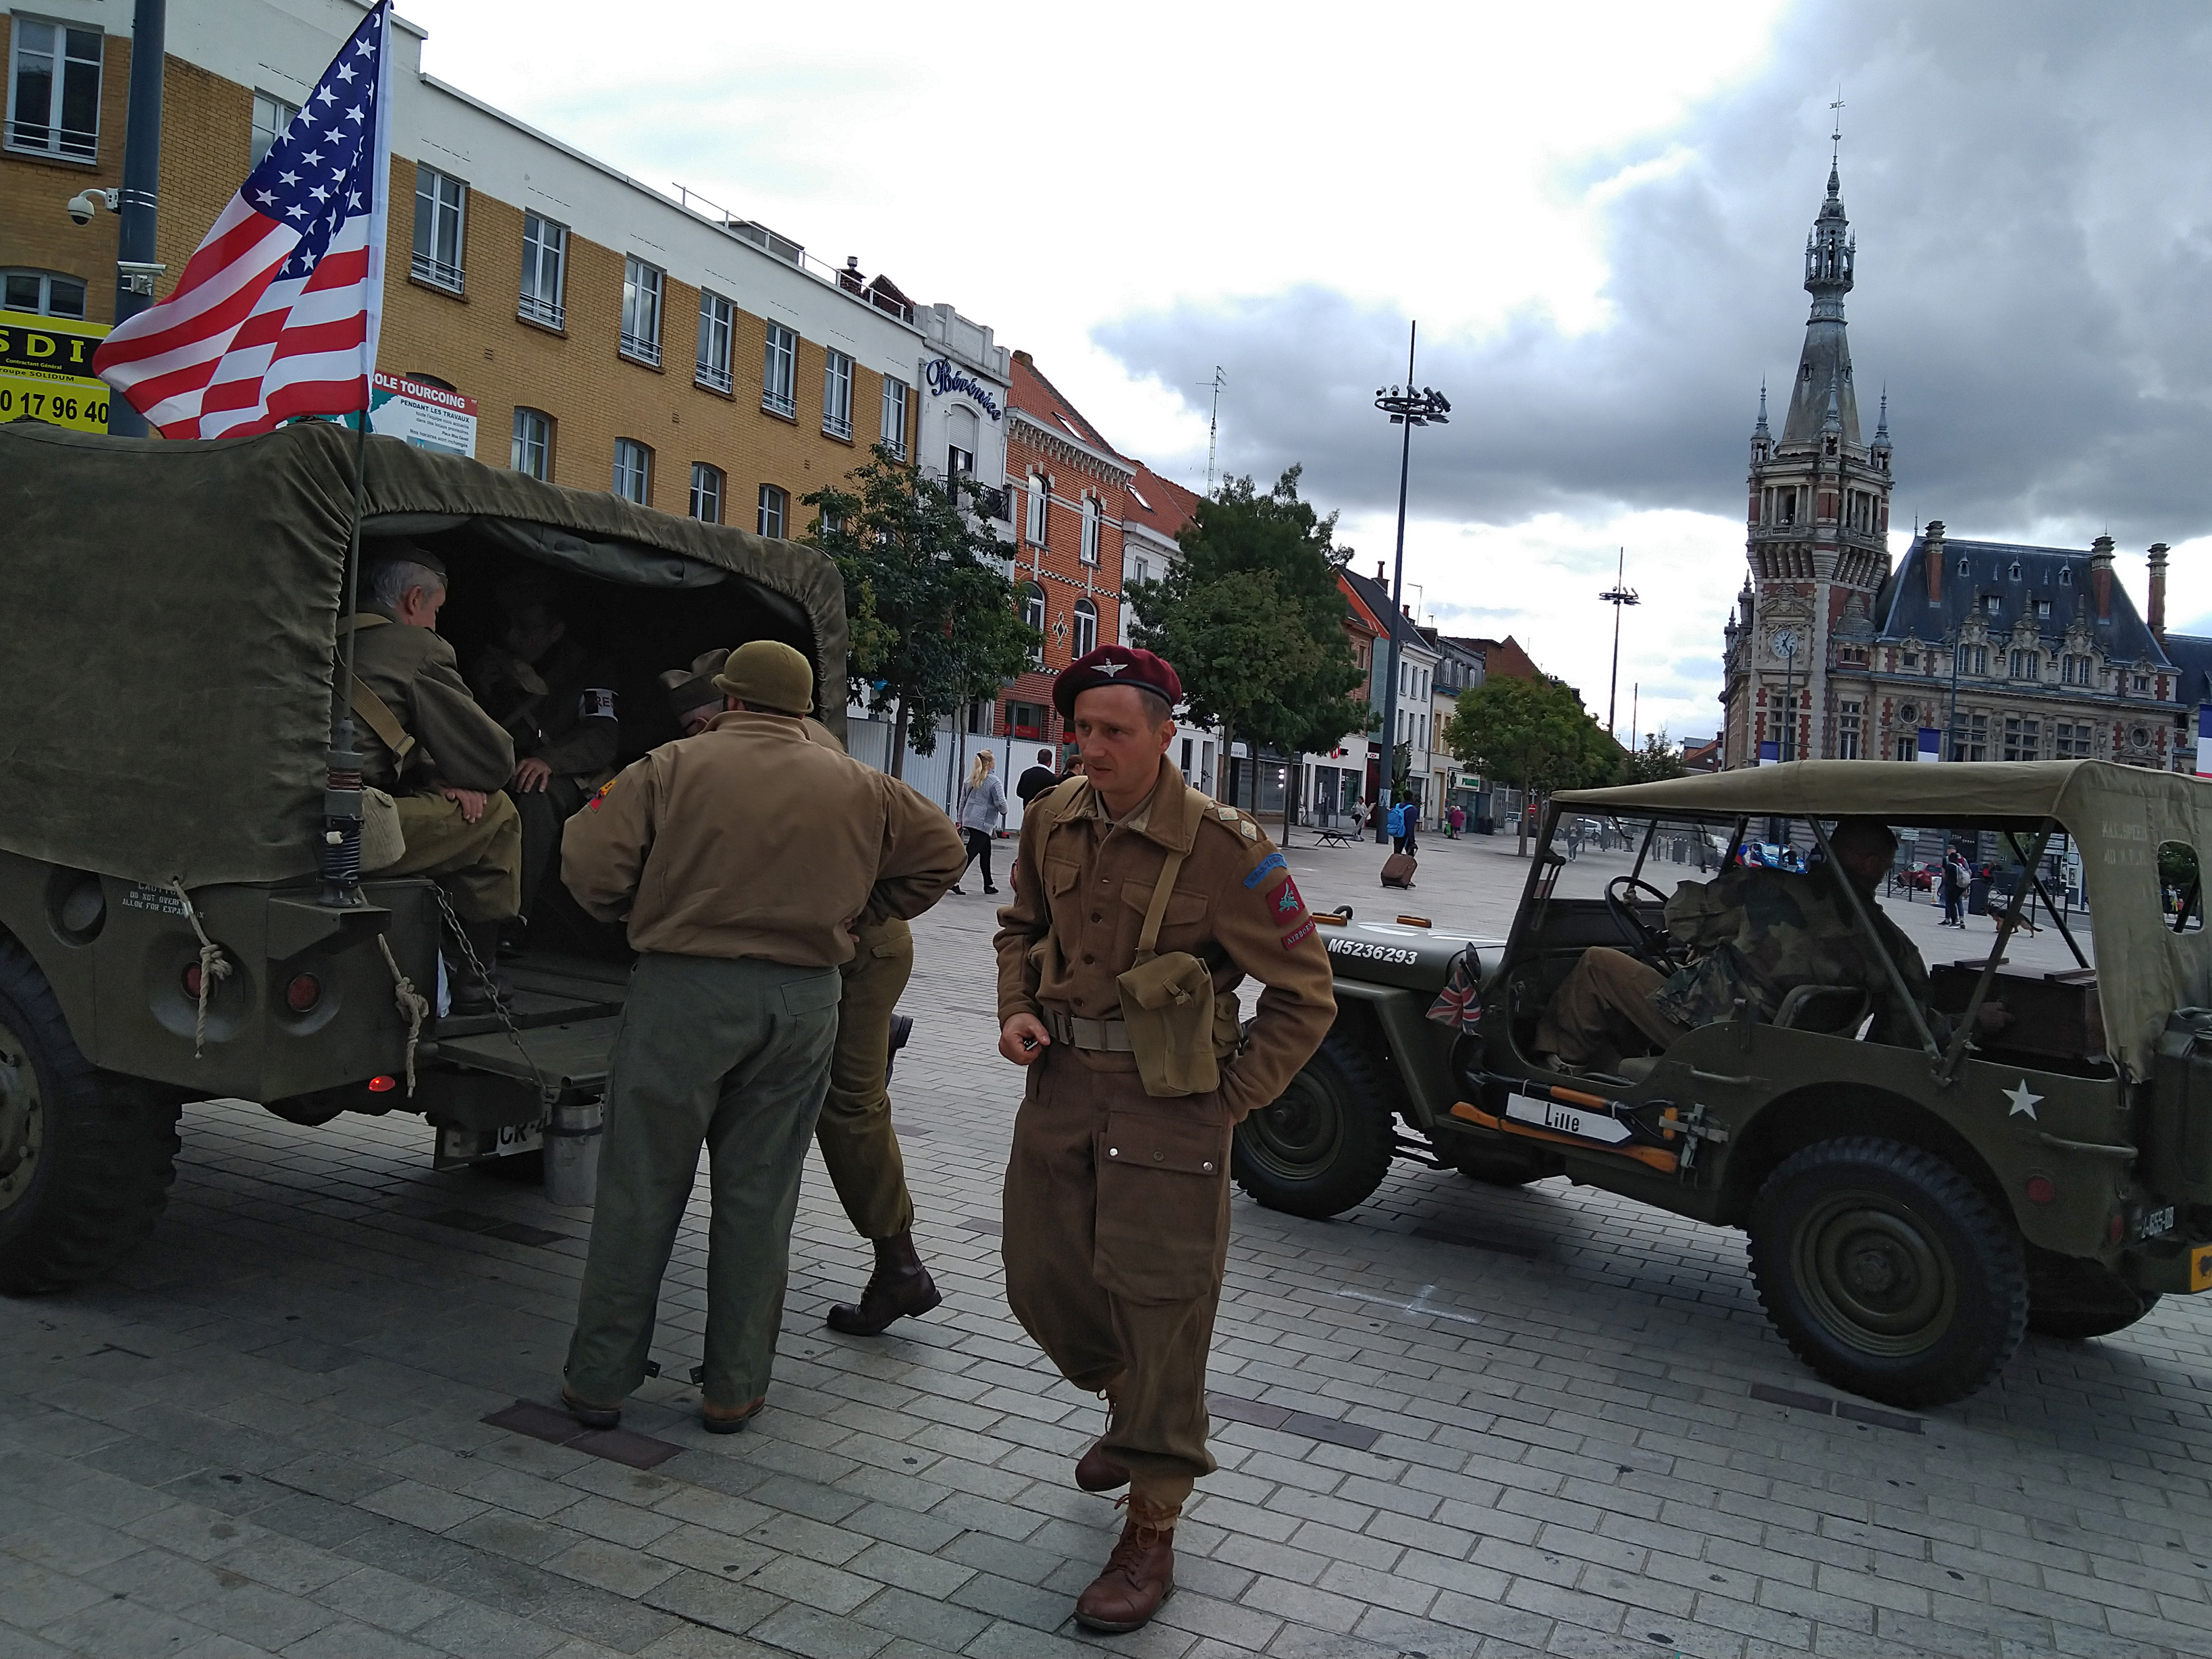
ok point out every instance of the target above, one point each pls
(1457, 1421)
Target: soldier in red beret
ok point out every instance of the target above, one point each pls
(1140, 905)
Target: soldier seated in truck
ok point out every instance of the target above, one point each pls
(1746, 940)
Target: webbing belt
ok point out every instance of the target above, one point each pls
(1110, 1035)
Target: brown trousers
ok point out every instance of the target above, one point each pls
(481, 861)
(859, 1148)
(1117, 1235)
(1604, 1010)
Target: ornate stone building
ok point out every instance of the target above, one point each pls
(1963, 650)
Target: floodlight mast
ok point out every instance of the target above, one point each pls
(1621, 594)
(1408, 407)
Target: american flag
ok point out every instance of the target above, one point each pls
(278, 311)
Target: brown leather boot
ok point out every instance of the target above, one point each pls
(1139, 1575)
(1097, 1471)
(900, 1288)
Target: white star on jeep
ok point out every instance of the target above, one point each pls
(2022, 1100)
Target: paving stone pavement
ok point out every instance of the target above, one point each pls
(1502, 1422)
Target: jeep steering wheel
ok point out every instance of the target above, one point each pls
(1650, 943)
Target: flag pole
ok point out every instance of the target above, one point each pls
(342, 789)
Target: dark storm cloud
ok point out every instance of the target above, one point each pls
(2031, 191)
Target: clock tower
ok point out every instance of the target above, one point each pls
(1817, 536)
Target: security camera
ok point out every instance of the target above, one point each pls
(86, 203)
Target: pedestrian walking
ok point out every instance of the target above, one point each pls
(742, 861)
(1457, 818)
(1403, 821)
(982, 810)
(1140, 905)
(1953, 880)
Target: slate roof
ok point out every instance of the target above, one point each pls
(2192, 654)
(2060, 575)
(1375, 598)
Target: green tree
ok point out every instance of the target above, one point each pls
(1531, 734)
(1253, 619)
(932, 621)
(1658, 759)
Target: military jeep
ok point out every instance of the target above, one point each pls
(1912, 1206)
(169, 615)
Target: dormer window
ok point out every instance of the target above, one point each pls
(2043, 608)
(1992, 603)
(2015, 570)
(1962, 570)
(2066, 578)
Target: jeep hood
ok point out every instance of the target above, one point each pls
(2117, 815)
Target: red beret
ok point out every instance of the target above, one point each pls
(1115, 665)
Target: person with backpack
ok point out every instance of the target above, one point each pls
(1403, 824)
(1953, 890)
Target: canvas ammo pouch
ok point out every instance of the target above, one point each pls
(1167, 1003)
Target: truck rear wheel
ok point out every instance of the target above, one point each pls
(1888, 1271)
(1324, 1147)
(86, 1157)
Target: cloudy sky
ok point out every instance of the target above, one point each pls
(1596, 213)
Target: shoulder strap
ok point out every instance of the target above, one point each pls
(1162, 890)
(377, 715)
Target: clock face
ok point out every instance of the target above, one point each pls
(1785, 642)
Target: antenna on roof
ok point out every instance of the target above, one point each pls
(1213, 424)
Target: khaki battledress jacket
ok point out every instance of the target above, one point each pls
(751, 839)
(1234, 906)
(413, 670)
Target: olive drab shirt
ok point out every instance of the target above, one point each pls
(561, 709)
(753, 840)
(414, 671)
(1083, 882)
(1758, 934)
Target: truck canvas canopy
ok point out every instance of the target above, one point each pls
(2117, 815)
(175, 608)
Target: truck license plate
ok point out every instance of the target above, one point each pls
(2200, 1269)
(469, 1144)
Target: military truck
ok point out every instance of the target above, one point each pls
(1911, 1207)
(169, 617)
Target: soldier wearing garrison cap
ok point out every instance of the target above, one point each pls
(744, 859)
(425, 740)
(1140, 906)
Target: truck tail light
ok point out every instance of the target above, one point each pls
(382, 1085)
(192, 982)
(303, 992)
(2040, 1191)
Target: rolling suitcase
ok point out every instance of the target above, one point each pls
(1398, 870)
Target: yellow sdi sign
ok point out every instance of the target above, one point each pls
(46, 371)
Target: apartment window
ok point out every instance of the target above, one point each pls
(2069, 740)
(1908, 748)
(715, 317)
(633, 470)
(43, 293)
(1086, 628)
(1974, 659)
(272, 118)
(1992, 603)
(706, 493)
(1094, 523)
(440, 201)
(895, 416)
(1970, 738)
(779, 373)
(2020, 738)
(640, 316)
(1912, 659)
(545, 272)
(1140, 570)
(1033, 616)
(1040, 496)
(53, 90)
(2074, 671)
(775, 508)
(1850, 721)
(2142, 682)
(837, 396)
(533, 443)
(2025, 664)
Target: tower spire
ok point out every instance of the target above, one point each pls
(1830, 260)
(1761, 430)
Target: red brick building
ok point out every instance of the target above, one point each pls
(1068, 493)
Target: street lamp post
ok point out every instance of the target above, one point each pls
(1787, 643)
(1407, 407)
(1622, 594)
(138, 202)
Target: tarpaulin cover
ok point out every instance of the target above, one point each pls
(2117, 815)
(168, 614)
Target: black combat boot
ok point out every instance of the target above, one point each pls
(900, 1287)
(473, 992)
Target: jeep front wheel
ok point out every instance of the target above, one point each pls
(1888, 1271)
(1325, 1145)
(86, 1157)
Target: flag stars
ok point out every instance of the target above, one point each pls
(319, 193)
(295, 211)
(324, 95)
(346, 71)
(288, 178)
(266, 198)
(354, 113)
